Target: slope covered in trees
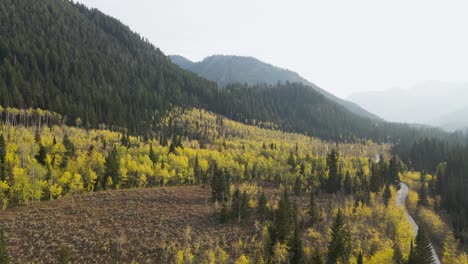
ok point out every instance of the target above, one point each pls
(226, 70)
(80, 63)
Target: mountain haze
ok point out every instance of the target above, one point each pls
(225, 70)
(427, 103)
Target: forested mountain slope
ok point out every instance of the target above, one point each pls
(78, 62)
(227, 70)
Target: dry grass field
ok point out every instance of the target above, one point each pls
(116, 226)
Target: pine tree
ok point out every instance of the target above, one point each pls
(2, 157)
(387, 195)
(296, 250)
(152, 155)
(422, 253)
(298, 186)
(360, 259)
(112, 165)
(348, 184)
(4, 257)
(262, 208)
(313, 210)
(334, 181)
(41, 155)
(244, 208)
(316, 258)
(339, 248)
(283, 218)
(224, 217)
(422, 198)
(397, 254)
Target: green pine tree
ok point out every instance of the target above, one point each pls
(348, 184)
(334, 180)
(316, 258)
(387, 195)
(298, 186)
(262, 208)
(282, 221)
(4, 257)
(422, 249)
(360, 259)
(296, 250)
(112, 164)
(339, 247)
(313, 210)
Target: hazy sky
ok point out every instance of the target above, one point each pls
(342, 46)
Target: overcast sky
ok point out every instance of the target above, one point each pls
(342, 46)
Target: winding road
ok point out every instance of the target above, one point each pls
(401, 200)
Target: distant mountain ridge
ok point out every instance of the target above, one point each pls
(432, 103)
(228, 69)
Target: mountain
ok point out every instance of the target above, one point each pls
(93, 70)
(456, 120)
(238, 69)
(425, 103)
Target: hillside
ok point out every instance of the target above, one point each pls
(226, 70)
(426, 103)
(101, 74)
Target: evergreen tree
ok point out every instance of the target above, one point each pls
(422, 198)
(4, 257)
(282, 221)
(2, 157)
(313, 210)
(197, 170)
(348, 184)
(298, 186)
(316, 258)
(225, 215)
(387, 195)
(262, 208)
(422, 252)
(394, 168)
(376, 179)
(292, 161)
(296, 250)
(334, 181)
(152, 155)
(112, 165)
(397, 254)
(70, 150)
(172, 148)
(360, 259)
(339, 247)
(41, 155)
